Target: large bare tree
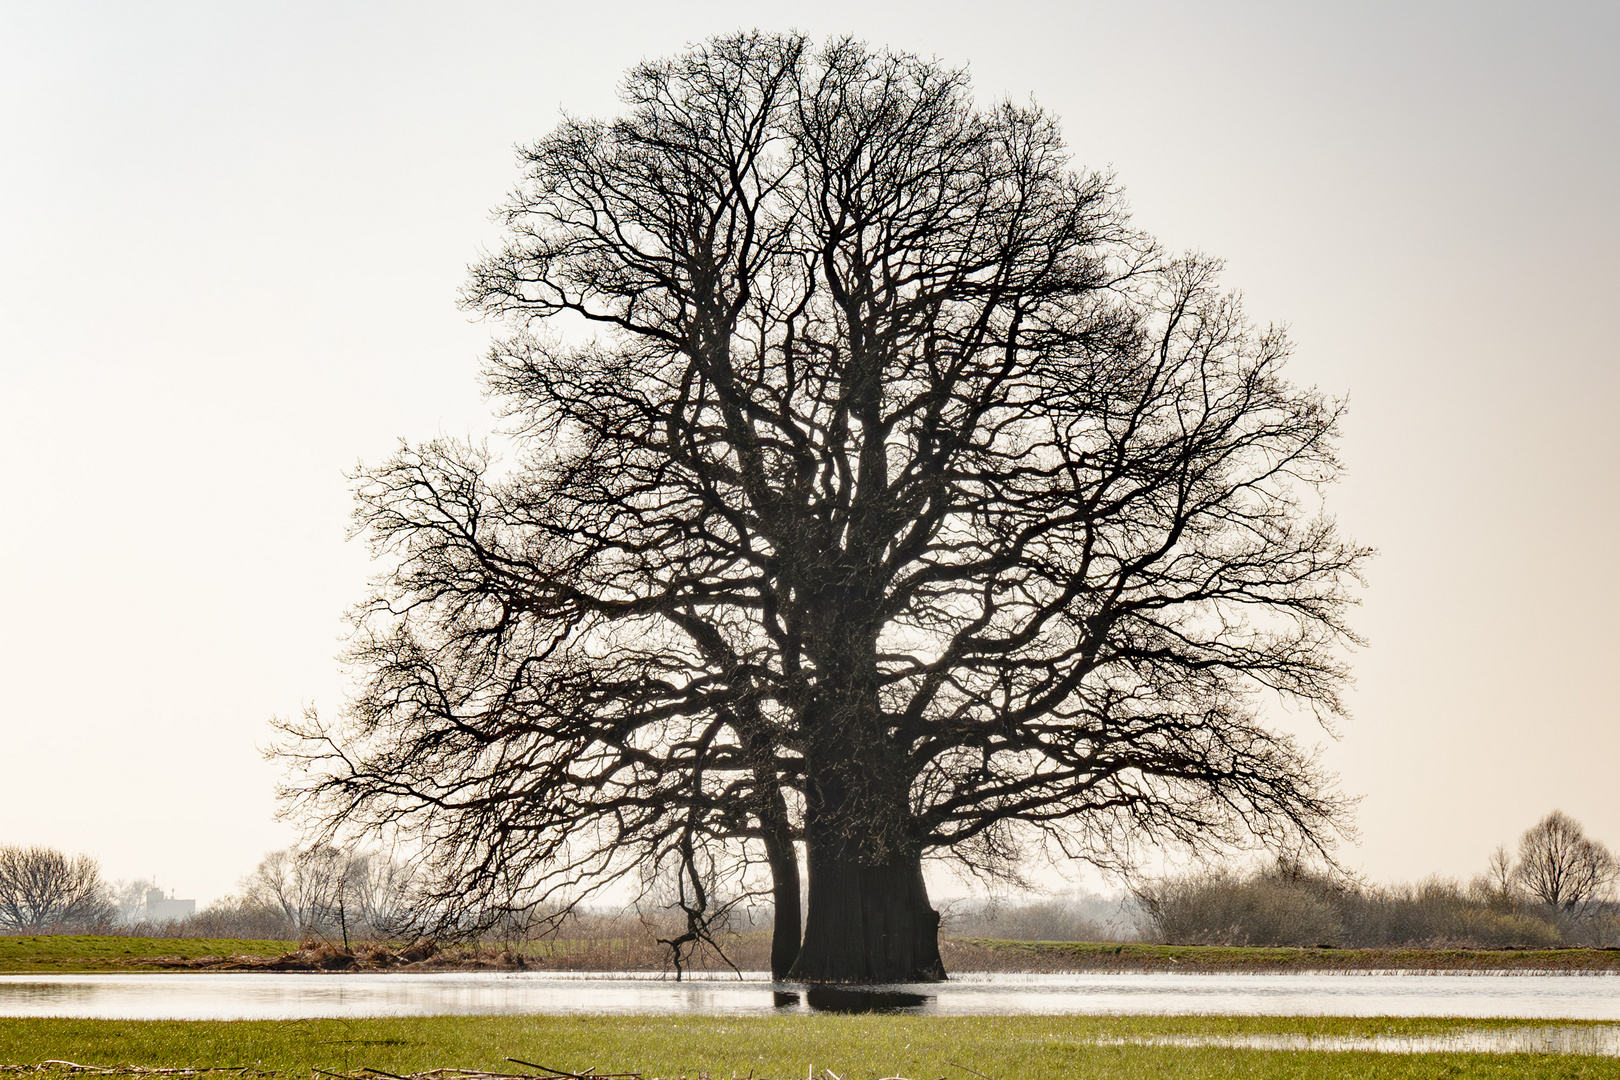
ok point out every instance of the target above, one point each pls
(877, 490)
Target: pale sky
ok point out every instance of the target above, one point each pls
(231, 236)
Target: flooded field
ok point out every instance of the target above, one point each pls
(279, 996)
(1603, 1041)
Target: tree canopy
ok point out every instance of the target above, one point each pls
(874, 489)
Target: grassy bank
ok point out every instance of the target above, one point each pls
(783, 1048)
(80, 953)
(1055, 956)
(65, 954)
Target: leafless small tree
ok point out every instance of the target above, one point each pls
(378, 892)
(324, 889)
(300, 886)
(1562, 867)
(42, 889)
(1500, 871)
(129, 899)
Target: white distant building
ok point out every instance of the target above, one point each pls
(160, 908)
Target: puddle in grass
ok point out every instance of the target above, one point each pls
(1595, 1040)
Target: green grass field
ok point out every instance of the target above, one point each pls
(781, 1048)
(79, 953)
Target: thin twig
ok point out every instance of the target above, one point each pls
(547, 1068)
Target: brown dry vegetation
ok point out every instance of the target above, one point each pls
(1290, 906)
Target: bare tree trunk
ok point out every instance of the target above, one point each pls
(777, 832)
(869, 916)
(868, 924)
(784, 862)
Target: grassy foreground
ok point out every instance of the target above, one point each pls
(781, 1048)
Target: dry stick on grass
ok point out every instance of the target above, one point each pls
(143, 1070)
(588, 1074)
(430, 1074)
(547, 1068)
(470, 1074)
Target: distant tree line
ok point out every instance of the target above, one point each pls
(1074, 917)
(331, 892)
(1559, 890)
(294, 894)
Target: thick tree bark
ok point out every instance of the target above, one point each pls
(784, 863)
(869, 916)
(868, 924)
(789, 916)
(776, 832)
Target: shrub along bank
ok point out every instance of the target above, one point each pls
(1287, 905)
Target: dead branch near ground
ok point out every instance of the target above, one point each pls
(57, 1068)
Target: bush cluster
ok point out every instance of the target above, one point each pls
(1285, 904)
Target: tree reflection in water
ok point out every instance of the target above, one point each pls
(849, 999)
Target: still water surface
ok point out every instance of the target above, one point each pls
(278, 996)
(1602, 1041)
